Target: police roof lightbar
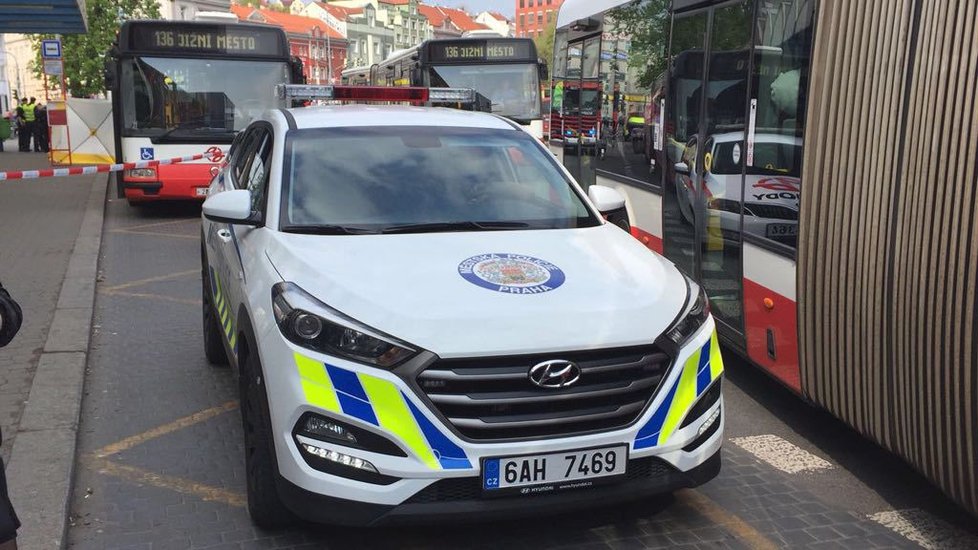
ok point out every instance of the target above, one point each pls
(375, 93)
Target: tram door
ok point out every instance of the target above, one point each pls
(705, 143)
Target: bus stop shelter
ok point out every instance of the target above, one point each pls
(48, 16)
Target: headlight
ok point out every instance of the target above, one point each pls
(307, 322)
(144, 173)
(695, 313)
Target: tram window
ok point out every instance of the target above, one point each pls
(632, 70)
(783, 39)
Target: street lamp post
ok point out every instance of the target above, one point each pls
(8, 55)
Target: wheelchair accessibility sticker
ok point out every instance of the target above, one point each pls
(145, 153)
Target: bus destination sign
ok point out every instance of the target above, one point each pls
(207, 39)
(480, 50)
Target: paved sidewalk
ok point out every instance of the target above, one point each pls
(50, 234)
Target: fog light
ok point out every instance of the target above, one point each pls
(318, 426)
(709, 422)
(308, 326)
(339, 458)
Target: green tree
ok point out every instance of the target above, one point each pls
(647, 22)
(84, 54)
(545, 42)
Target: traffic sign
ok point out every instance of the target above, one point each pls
(51, 49)
(53, 67)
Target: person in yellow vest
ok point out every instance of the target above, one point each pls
(30, 125)
(27, 130)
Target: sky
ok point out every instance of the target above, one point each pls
(505, 7)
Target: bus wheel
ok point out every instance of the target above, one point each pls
(264, 504)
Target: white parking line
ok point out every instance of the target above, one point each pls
(781, 454)
(926, 530)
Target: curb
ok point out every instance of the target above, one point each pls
(42, 461)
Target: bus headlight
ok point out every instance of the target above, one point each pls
(141, 173)
(307, 322)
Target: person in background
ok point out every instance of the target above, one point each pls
(11, 318)
(30, 120)
(22, 134)
(41, 129)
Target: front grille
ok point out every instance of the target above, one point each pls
(773, 211)
(493, 398)
(470, 488)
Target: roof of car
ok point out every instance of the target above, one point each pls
(333, 116)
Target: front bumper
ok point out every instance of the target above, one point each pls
(435, 455)
(457, 499)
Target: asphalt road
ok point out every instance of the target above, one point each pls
(161, 465)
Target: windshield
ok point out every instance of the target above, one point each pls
(770, 158)
(379, 178)
(186, 97)
(513, 89)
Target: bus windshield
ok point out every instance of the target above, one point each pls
(184, 98)
(512, 88)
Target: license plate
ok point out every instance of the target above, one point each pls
(543, 473)
(782, 229)
(201, 191)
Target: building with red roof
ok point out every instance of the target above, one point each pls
(321, 48)
(449, 22)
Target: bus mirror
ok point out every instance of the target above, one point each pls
(544, 74)
(416, 76)
(296, 71)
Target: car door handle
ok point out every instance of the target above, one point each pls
(224, 234)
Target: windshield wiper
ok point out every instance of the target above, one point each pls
(327, 229)
(437, 227)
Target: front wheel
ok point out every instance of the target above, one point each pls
(212, 330)
(264, 504)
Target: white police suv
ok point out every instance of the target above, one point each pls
(432, 320)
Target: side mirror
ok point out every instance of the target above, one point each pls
(232, 206)
(682, 168)
(605, 199)
(542, 68)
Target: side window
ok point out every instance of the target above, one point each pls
(772, 187)
(244, 152)
(633, 67)
(259, 169)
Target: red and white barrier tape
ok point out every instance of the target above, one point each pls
(211, 155)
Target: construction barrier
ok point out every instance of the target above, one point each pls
(213, 154)
(81, 131)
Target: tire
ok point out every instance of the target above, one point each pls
(685, 208)
(214, 349)
(265, 506)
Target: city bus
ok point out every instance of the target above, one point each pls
(505, 71)
(185, 88)
(828, 210)
(357, 76)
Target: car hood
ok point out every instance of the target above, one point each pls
(469, 294)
